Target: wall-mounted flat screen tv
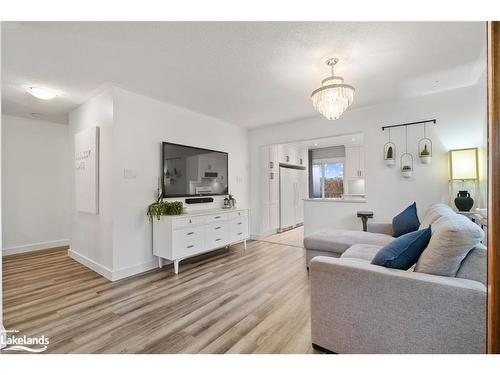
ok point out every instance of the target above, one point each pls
(192, 171)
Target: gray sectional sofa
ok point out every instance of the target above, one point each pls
(438, 306)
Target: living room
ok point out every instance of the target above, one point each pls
(219, 187)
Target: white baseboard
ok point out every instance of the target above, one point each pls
(263, 234)
(94, 266)
(110, 274)
(34, 247)
(134, 270)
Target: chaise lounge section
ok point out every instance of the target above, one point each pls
(358, 307)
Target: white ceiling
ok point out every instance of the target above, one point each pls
(248, 73)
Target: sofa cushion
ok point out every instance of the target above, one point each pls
(453, 237)
(406, 221)
(339, 240)
(474, 266)
(404, 251)
(435, 212)
(362, 251)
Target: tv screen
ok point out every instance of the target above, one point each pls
(193, 171)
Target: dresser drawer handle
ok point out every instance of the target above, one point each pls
(218, 239)
(189, 233)
(239, 234)
(217, 227)
(190, 246)
(240, 223)
(190, 221)
(217, 217)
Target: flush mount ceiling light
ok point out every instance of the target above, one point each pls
(40, 93)
(334, 96)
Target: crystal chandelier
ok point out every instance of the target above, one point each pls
(334, 96)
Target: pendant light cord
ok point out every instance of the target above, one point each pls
(406, 139)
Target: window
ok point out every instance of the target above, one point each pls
(328, 178)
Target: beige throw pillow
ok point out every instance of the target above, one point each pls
(453, 236)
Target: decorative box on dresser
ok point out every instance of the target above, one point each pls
(179, 237)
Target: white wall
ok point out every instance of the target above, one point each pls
(91, 238)
(461, 123)
(35, 194)
(140, 125)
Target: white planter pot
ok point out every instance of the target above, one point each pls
(407, 174)
(425, 159)
(390, 162)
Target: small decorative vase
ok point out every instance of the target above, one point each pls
(463, 201)
(390, 162)
(407, 173)
(425, 159)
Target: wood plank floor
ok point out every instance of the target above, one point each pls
(229, 301)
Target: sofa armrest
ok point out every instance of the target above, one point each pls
(384, 228)
(357, 307)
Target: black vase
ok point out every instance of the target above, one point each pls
(463, 201)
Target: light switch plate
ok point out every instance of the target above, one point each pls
(129, 173)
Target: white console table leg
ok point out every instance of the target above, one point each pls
(176, 266)
(245, 244)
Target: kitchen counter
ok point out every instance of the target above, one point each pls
(342, 200)
(323, 213)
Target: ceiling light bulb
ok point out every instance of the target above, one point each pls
(40, 93)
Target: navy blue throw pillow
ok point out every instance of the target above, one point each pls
(407, 221)
(404, 251)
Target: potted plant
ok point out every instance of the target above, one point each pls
(406, 171)
(389, 156)
(161, 208)
(425, 155)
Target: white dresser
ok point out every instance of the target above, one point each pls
(179, 237)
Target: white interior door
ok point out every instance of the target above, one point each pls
(287, 198)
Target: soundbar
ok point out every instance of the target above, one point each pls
(199, 200)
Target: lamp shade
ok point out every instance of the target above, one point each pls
(463, 164)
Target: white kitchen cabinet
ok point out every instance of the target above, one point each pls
(287, 154)
(270, 201)
(269, 158)
(354, 163)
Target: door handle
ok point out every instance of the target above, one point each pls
(218, 239)
(240, 223)
(190, 246)
(190, 233)
(217, 217)
(239, 234)
(217, 228)
(271, 176)
(271, 165)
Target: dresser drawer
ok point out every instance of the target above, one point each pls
(215, 242)
(186, 249)
(181, 236)
(233, 215)
(238, 224)
(188, 222)
(216, 227)
(239, 235)
(216, 217)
